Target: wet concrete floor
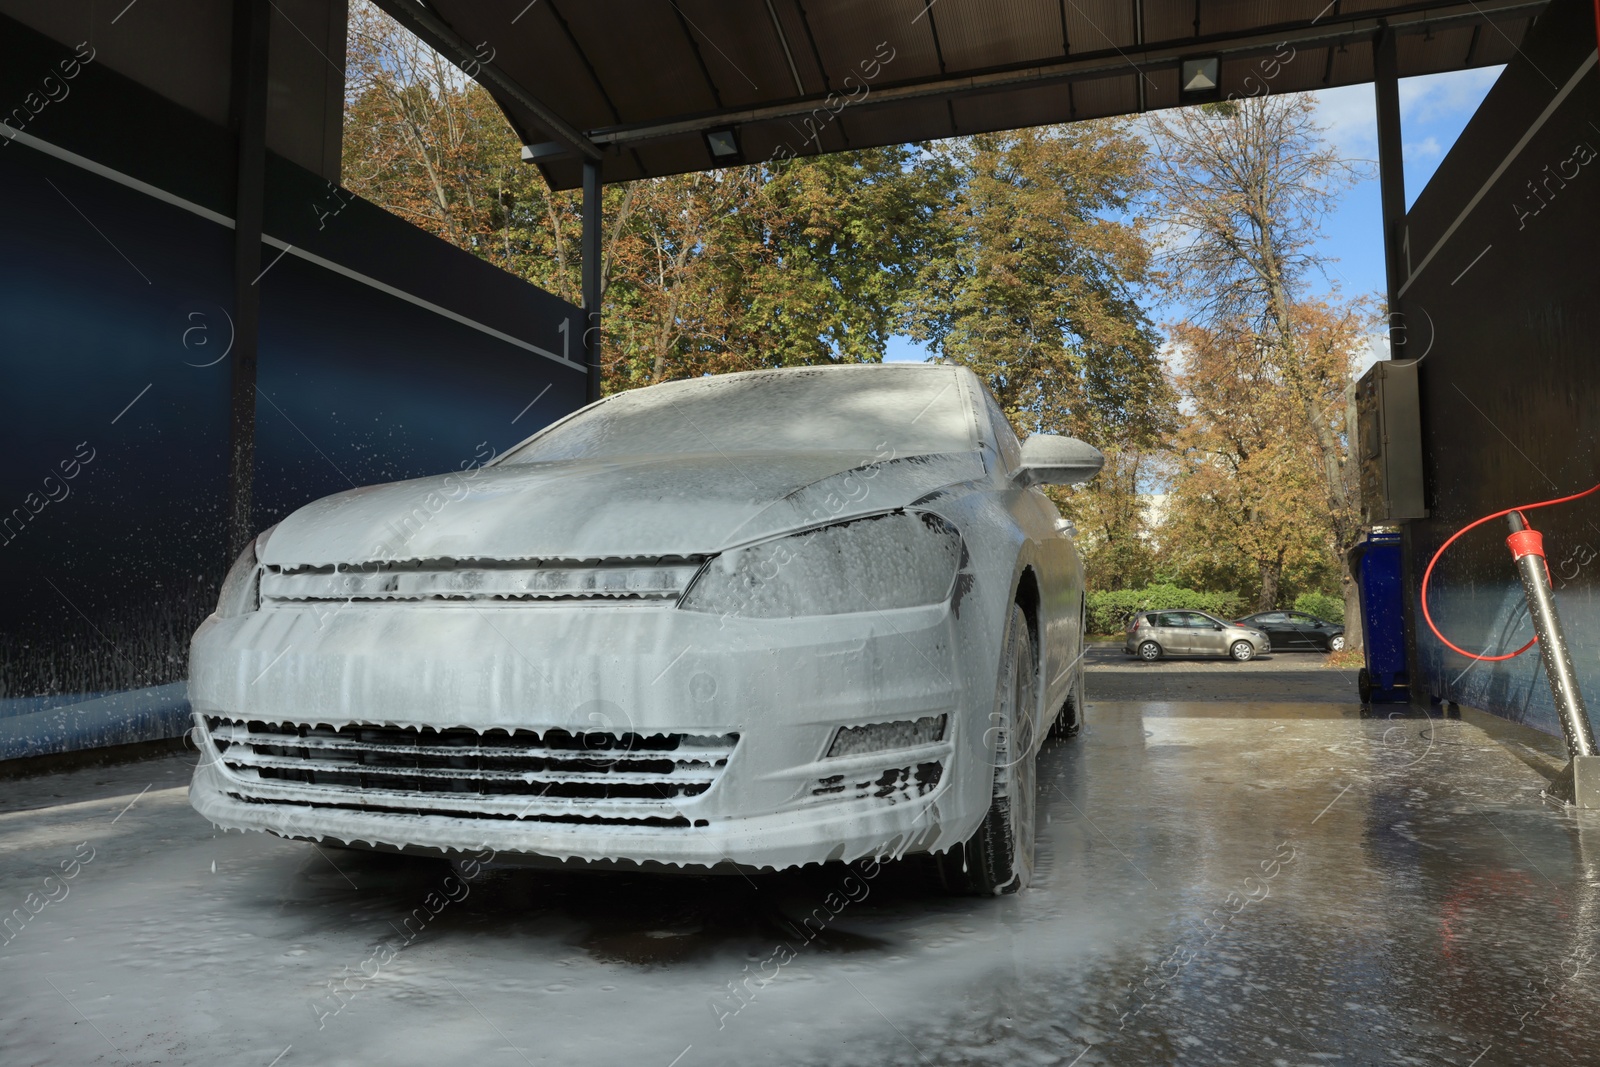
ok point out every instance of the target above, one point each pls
(1219, 882)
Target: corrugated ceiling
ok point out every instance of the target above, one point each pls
(641, 81)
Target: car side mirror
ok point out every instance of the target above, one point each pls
(1049, 459)
(1216, 626)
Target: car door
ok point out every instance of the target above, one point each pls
(1275, 624)
(1170, 632)
(1312, 631)
(1206, 637)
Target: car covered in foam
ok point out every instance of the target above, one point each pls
(737, 622)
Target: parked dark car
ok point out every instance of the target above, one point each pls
(1290, 630)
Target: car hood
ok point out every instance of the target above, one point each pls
(603, 508)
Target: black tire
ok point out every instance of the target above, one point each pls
(1336, 643)
(998, 858)
(1242, 651)
(1069, 720)
(1364, 685)
(1149, 651)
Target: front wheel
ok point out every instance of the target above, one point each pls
(999, 857)
(1243, 651)
(1336, 643)
(1149, 651)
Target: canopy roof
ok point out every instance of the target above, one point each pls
(640, 84)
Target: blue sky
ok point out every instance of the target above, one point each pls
(1433, 111)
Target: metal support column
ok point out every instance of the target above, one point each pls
(591, 274)
(1391, 176)
(251, 23)
(1392, 190)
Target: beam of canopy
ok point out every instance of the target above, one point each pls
(640, 84)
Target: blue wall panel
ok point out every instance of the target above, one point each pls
(384, 353)
(359, 387)
(1504, 310)
(99, 585)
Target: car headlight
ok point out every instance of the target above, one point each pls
(857, 740)
(241, 589)
(896, 560)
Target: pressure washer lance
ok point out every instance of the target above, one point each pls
(1527, 547)
(1578, 783)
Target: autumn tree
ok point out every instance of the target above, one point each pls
(1245, 509)
(1115, 520)
(1242, 189)
(763, 266)
(1034, 281)
(720, 271)
(1034, 284)
(420, 137)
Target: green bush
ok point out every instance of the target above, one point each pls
(1109, 611)
(1321, 605)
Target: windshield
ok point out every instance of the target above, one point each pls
(872, 409)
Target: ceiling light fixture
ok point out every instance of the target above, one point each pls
(1200, 78)
(723, 144)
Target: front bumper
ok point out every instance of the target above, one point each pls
(780, 687)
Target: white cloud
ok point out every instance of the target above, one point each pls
(1351, 120)
(1350, 111)
(1427, 148)
(1446, 97)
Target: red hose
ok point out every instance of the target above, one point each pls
(1428, 574)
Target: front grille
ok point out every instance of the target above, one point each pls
(659, 579)
(554, 776)
(893, 786)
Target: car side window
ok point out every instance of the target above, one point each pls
(1302, 619)
(1195, 621)
(1273, 618)
(1004, 436)
(1166, 618)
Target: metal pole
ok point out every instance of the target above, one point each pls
(1528, 547)
(1391, 174)
(251, 23)
(591, 274)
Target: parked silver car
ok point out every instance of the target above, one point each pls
(1153, 634)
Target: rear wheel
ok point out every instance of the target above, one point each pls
(1336, 643)
(999, 857)
(1243, 651)
(1149, 651)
